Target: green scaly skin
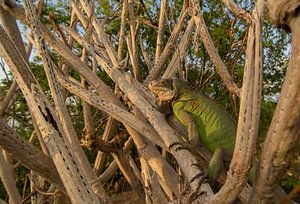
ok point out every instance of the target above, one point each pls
(206, 122)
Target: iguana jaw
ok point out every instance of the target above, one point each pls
(165, 95)
(163, 89)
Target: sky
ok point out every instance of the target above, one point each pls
(2, 75)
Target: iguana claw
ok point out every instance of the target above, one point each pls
(192, 195)
(183, 145)
(195, 194)
(188, 146)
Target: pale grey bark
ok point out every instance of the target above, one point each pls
(68, 130)
(248, 123)
(155, 118)
(28, 154)
(62, 156)
(11, 27)
(8, 180)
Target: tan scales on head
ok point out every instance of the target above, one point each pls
(163, 89)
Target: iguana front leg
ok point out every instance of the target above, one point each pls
(186, 119)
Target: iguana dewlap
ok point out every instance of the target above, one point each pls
(206, 122)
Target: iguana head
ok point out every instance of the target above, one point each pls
(166, 90)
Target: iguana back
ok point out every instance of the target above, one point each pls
(215, 127)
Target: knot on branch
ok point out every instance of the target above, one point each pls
(280, 11)
(241, 168)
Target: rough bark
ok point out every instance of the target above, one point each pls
(140, 118)
(62, 156)
(68, 130)
(249, 115)
(284, 130)
(155, 118)
(28, 154)
(8, 180)
(282, 11)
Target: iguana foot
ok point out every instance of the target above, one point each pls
(183, 145)
(195, 194)
(195, 149)
(203, 177)
(192, 195)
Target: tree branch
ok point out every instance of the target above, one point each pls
(155, 118)
(161, 29)
(8, 180)
(28, 154)
(211, 49)
(284, 131)
(249, 115)
(158, 67)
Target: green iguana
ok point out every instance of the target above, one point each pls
(207, 123)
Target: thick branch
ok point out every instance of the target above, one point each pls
(28, 154)
(281, 11)
(62, 157)
(284, 130)
(61, 110)
(12, 29)
(165, 171)
(249, 114)
(115, 111)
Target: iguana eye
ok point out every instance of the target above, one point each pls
(152, 83)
